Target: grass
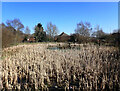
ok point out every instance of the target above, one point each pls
(90, 68)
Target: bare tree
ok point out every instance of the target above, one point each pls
(116, 31)
(7, 37)
(99, 32)
(51, 30)
(27, 30)
(16, 24)
(83, 29)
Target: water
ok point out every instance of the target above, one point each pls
(53, 48)
(59, 48)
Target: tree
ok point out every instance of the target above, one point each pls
(51, 30)
(83, 29)
(39, 34)
(8, 37)
(99, 33)
(27, 30)
(116, 34)
(116, 31)
(16, 24)
(74, 37)
(2, 25)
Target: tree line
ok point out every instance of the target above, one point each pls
(14, 32)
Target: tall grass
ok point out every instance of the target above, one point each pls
(36, 67)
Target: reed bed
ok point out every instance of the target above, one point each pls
(36, 67)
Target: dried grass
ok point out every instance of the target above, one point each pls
(36, 67)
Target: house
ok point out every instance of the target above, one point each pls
(28, 38)
(31, 39)
(63, 37)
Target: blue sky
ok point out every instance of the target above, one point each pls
(65, 15)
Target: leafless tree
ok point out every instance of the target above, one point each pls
(99, 32)
(27, 30)
(7, 37)
(83, 29)
(116, 31)
(51, 30)
(16, 24)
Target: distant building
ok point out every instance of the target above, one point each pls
(63, 37)
(31, 39)
(28, 38)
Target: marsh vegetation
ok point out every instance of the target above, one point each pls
(33, 66)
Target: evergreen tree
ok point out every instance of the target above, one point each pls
(39, 34)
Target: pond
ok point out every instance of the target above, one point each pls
(63, 48)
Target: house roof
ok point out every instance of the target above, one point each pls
(63, 34)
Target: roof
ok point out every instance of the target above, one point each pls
(63, 34)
